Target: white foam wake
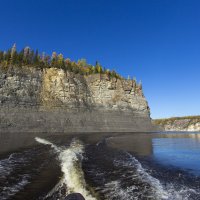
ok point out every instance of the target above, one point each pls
(70, 161)
(46, 142)
(167, 192)
(9, 188)
(158, 191)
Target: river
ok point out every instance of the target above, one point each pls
(109, 166)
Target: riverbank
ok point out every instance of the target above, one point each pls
(187, 123)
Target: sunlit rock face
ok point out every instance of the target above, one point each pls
(55, 100)
(94, 91)
(180, 124)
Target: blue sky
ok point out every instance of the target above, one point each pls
(156, 41)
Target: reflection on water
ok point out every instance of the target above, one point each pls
(172, 149)
(175, 149)
(138, 143)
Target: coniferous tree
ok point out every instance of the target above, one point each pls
(60, 61)
(26, 51)
(98, 68)
(43, 56)
(14, 58)
(8, 56)
(36, 58)
(108, 73)
(67, 64)
(4, 55)
(13, 54)
(113, 74)
(47, 61)
(20, 57)
(1, 56)
(82, 63)
(54, 59)
(26, 55)
(33, 59)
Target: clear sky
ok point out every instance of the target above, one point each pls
(156, 41)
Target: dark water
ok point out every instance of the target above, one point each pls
(100, 166)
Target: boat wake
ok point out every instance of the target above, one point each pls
(152, 188)
(118, 175)
(73, 177)
(12, 180)
(97, 171)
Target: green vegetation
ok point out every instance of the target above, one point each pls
(172, 119)
(31, 58)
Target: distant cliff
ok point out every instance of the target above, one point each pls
(189, 123)
(51, 99)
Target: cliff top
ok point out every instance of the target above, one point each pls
(31, 58)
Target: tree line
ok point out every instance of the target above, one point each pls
(29, 57)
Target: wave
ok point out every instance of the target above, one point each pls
(119, 175)
(115, 175)
(13, 189)
(46, 142)
(156, 190)
(167, 191)
(8, 166)
(70, 161)
(130, 181)
(182, 192)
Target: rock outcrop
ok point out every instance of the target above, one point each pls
(190, 123)
(54, 100)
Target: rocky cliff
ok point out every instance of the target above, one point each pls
(52, 99)
(190, 123)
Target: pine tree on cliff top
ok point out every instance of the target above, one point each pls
(30, 58)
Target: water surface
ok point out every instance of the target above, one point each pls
(108, 166)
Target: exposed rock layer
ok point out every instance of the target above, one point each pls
(191, 123)
(53, 100)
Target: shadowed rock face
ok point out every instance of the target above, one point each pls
(54, 100)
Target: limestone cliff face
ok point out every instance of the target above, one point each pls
(55, 100)
(20, 87)
(91, 92)
(191, 123)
